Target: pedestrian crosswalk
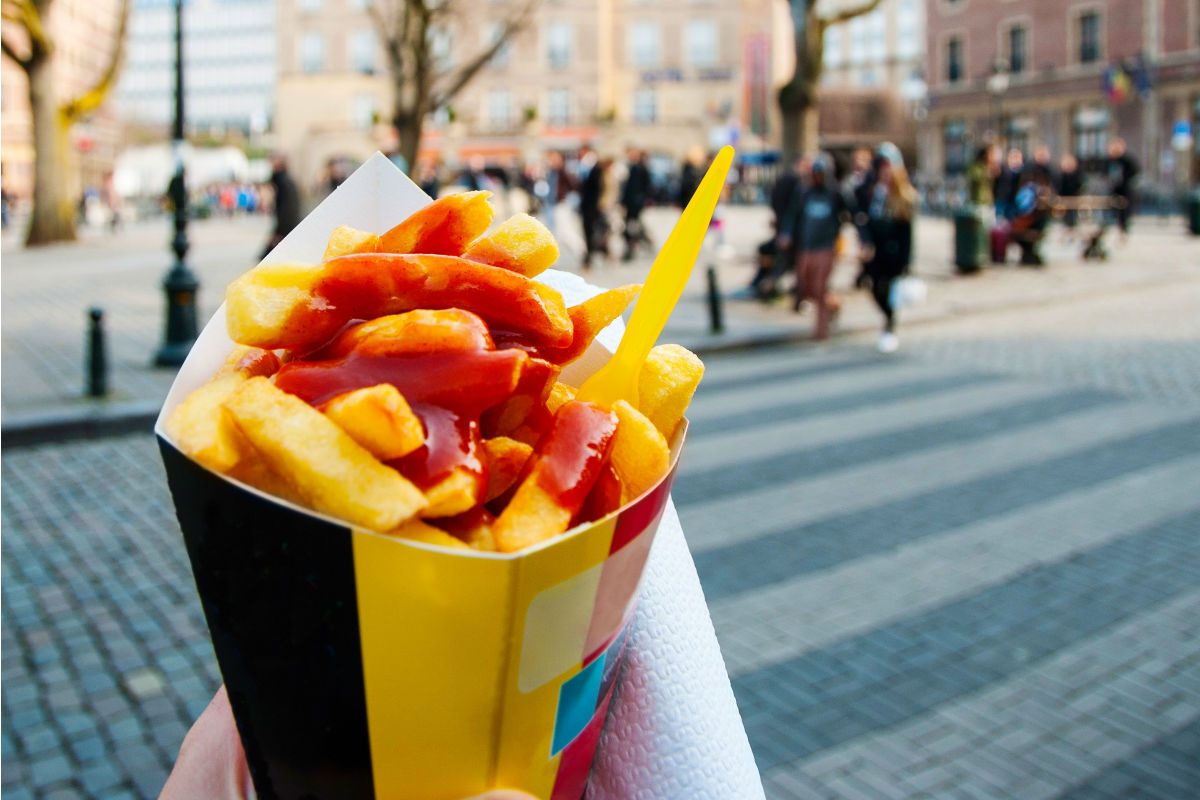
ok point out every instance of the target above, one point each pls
(905, 559)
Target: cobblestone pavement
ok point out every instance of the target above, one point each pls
(970, 569)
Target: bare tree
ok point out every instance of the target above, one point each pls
(32, 49)
(422, 82)
(798, 99)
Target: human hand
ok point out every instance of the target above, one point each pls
(866, 252)
(212, 765)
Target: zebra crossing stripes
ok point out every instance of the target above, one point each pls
(872, 576)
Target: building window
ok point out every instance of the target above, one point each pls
(1089, 134)
(858, 40)
(491, 34)
(954, 57)
(441, 46)
(310, 5)
(312, 52)
(701, 43)
(558, 44)
(954, 140)
(362, 51)
(908, 46)
(558, 106)
(643, 44)
(645, 106)
(832, 55)
(878, 50)
(1016, 49)
(499, 109)
(1089, 37)
(362, 111)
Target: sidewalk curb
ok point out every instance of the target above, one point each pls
(95, 422)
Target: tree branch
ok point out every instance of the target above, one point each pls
(849, 13)
(92, 98)
(28, 17)
(463, 75)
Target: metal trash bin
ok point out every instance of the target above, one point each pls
(970, 244)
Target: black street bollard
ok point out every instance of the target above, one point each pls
(716, 315)
(97, 358)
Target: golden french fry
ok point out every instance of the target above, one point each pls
(473, 527)
(457, 492)
(345, 241)
(559, 394)
(640, 454)
(249, 362)
(419, 531)
(254, 470)
(379, 418)
(668, 380)
(589, 318)
(532, 516)
(201, 431)
(259, 304)
(446, 226)
(573, 453)
(520, 243)
(333, 473)
(411, 333)
(505, 459)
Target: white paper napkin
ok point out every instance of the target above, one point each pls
(673, 730)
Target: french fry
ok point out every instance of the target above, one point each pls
(473, 527)
(249, 362)
(413, 333)
(458, 492)
(505, 459)
(260, 304)
(346, 240)
(668, 380)
(559, 393)
(378, 418)
(589, 318)
(202, 431)
(521, 243)
(419, 531)
(333, 473)
(573, 453)
(640, 455)
(264, 310)
(445, 227)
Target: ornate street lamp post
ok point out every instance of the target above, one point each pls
(997, 85)
(180, 284)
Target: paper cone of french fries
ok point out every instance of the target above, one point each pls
(361, 665)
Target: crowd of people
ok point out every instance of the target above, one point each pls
(811, 206)
(1020, 198)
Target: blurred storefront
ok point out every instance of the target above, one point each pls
(1066, 75)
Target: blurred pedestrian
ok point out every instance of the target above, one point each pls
(1070, 185)
(888, 240)
(856, 188)
(979, 179)
(5, 207)
(590, 188)
(1006, 184)
(813, 220)
(287, 203)
(777, 255)
(611, 178)
(690, 174)
(634, 196)
(555, 185)
(1122, 170)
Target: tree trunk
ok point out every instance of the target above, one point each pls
(801, 118)
(53, 217)
(408, 131)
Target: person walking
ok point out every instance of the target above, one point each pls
(690, 175)
(888, 240)
(287, 203)
(1122, 170)
(1005, 187)
(591, 186)
(1070, 185)
(813, 220)
(634, 195)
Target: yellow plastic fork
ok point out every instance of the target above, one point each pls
(618, 379)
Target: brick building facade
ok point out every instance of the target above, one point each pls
(1029, 72)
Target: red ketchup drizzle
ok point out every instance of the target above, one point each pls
(451, 441)
(573, 451)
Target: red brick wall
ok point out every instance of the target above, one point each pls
(1052, 32)
(1180, 20)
